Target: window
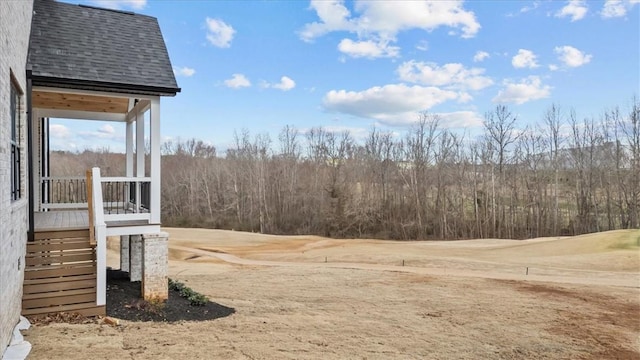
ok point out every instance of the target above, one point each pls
(16, 148)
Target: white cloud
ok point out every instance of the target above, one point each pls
(387, 103)
(184, 71)
(481, 56)
(285, 84)
(219, 33)
(464, 97)
(526, 9)
(453, 75)
(423, 45)
(368, 49)
(524, 59)
(528, 89)
(553, 67)
(617, 8)
(576, 9)
(460, 119)
(571, 56)
(390, 17)
(105, 132)
(334, 16)
(237, 81)
(121, 4)
(376, 23)
(59, 131)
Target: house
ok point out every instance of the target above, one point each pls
(60, 60)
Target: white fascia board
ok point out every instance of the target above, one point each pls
(81, 115)
(133, 230)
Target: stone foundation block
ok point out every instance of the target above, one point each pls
(135, 257)
(155, 258)
(124, 253)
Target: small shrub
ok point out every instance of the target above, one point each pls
(195, 298)
(198, 300)
(176, 285)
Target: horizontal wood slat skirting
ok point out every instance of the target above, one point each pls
(60, 274)
(65, 234)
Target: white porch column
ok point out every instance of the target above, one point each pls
(129, 158)
(36, 126)
(124, 253)
(135, 258)
(155, 259)
(139, 146)
(155, 160)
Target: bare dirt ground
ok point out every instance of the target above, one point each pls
(307, 297)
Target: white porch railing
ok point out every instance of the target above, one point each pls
(124, 198)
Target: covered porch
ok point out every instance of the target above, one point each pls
(93, 64)
(131, 200)
(73, 215)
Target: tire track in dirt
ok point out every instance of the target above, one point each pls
(232, 259)
(604, 326)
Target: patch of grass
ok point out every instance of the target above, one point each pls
(194, 297)
(155, 305)
(631, 242)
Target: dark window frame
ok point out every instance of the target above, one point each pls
(15, 140)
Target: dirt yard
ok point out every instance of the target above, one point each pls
(309, 297)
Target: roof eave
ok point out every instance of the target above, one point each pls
(134, 89)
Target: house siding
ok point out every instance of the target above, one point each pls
(15, 26)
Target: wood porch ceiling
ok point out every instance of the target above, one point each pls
(77, 102)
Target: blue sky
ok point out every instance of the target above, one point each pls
(345, 65)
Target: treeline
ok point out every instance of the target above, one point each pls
(562, 176)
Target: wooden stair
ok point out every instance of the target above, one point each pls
(60, 274)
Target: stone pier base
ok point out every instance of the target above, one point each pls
(124, 253)
(155, 264)
(135, 257)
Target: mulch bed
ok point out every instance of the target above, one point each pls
(124, 302)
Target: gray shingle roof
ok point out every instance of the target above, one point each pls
(98, 49)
